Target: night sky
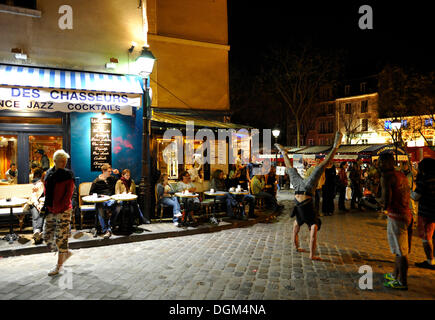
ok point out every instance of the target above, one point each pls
(402, 34)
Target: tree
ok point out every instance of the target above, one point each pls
(296, 76)
(404, 93)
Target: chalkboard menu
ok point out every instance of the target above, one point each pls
(101, 142)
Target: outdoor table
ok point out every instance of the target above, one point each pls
(184, 198)
(93, 199)
(237, 195)
(15, 202)
(123, 197)
(214, 195)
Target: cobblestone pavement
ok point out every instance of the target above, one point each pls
(255, 262)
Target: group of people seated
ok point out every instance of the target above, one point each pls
(261, 186)
(108, 212)
(111, 213)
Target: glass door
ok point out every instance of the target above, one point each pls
(8, 159)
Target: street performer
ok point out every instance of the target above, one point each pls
(304, 190)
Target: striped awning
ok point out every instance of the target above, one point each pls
(166, 118)
(71, 80)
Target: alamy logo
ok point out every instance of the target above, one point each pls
(366, 280)
(66, 279)
(66, 20)
(365, 21)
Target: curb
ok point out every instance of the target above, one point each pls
(136, 238)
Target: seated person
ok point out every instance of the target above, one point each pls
(257, 186)
(218, 184)
(12, 174)
(165, 195)
(104, 184)
(35, 203)
(33, 167)
(271, 183)
(233, 177)
(191, 204)
(127, 185)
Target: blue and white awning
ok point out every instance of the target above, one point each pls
(71, 80)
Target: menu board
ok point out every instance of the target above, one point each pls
(101, 142)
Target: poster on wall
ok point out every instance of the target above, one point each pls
(101, 142)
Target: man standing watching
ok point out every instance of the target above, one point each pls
(395, 200)
(425, 195)
(59, 188)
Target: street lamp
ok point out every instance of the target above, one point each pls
(395, 126)
(275, 133)
(144, 66)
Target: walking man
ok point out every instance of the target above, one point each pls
(304, 191)
(395, 199)
(59, 188)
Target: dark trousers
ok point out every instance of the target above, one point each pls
(356, 194)
(342, 198)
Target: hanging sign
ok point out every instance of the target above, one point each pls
(101, 142)
(63, 100)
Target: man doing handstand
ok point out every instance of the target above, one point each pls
(304, 190)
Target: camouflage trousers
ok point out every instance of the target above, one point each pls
(57, 226)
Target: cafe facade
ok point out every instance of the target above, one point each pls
(77, 87)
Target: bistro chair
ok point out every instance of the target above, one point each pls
(160, 207)
(84, 189)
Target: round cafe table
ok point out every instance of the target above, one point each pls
(184, 198)
(237, 195)
(214, 195)
(98, 199)
(124, 198)
(14, 202)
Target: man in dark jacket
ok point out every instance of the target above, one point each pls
(104, 184)
(355, 184)
(425, 195)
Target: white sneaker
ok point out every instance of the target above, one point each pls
(175, 224)
(178, 214)
(54, 271)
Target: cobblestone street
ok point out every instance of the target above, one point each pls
(255, 262)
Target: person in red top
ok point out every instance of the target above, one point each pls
(395, 200)
(342, 177)
(58, 189)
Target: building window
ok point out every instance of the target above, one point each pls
(348, 108)
(404, 124)
(387, 125)
(322, 127)
(364, 124)
(330, 126)
(364, 141)
(347, 89)
(428, 122)
(320, 142)
(330, 108)
(362, 87)
(29, 4)
(364, 106)
(311, 142)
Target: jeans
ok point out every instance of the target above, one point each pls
(172, 202)
(229, 201)
(36, 219)
(100, 207)
(269, 198)
(250, 199)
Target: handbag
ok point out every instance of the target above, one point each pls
(348, 193)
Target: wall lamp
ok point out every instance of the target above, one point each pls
(19, 54)
(112, 64)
